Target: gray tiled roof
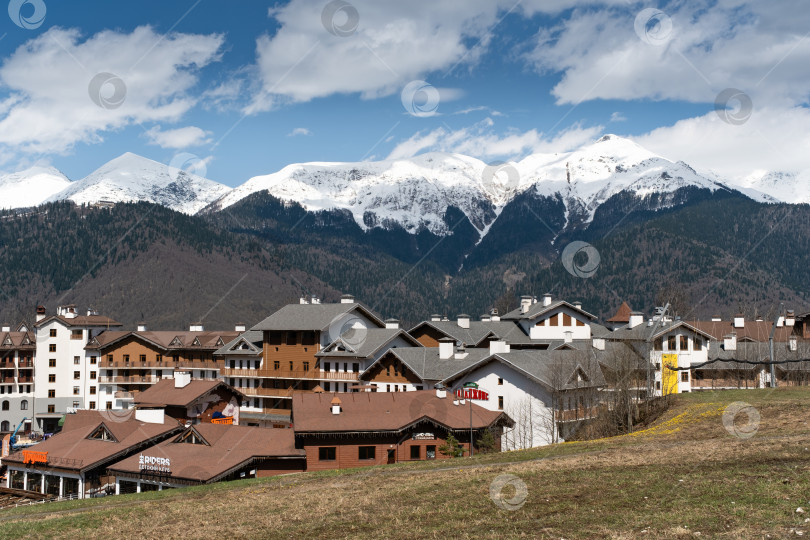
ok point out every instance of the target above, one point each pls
(643, 332)
(755, 352)
(312, 316)
(251, 336)
(537, 309)
(365, 343)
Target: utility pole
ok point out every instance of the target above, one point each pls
(770, 345)
(472, 446)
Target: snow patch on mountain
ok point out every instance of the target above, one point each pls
(30, 187)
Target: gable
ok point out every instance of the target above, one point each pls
(191, 436)
(102, 433)
(176, 342)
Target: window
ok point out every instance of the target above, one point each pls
(191, 437)
(355, 367)
(659, 344)
(77, 375)
(92, 404)
(327, 366)
(109, 358)
(159, 358)
(306, 365)
(24, 405)
(291, 365)
(126, 358)
(658, 385)
(93, 375)
(387, 387)
(671, 343)
(75, 404)
(76, 361)
(500, 403)
(109, 405)
(684, 376)
(52, 332)
(52, 347)
(275, 364)
(52, 362)
(51, 408)
(500, 381)
(52, 377)
(698, 344)
(580, 323)
(142, 358)
(92, 360)
(554, 320)
(327, 387)
(684, 343)
(176, 358)
(76, 334)
(51, 393)
(430, 452)
(290, 338)
(416, 452)
(75, 390)
(566, 319)
(92, 390)
(102, 434)
(327, 453)
(365, 452)
(5, 405)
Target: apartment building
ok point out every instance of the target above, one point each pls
(17, 349)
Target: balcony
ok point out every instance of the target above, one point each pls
(25, 379)
(267, 392)
(254, 413)
(313, 374)
(7, 365)
(136, 379)
(7, 379)
(24, 364)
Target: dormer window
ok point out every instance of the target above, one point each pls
(191, 437)
(101, 433)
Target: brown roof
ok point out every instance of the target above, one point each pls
(16, 339)
(81, 320)
(622, 314)
(229, 448)
(71, 449)
(163, 393)
(751, 330)
(168, 340)
(384, 411)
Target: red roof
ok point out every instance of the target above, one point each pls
(622, 314)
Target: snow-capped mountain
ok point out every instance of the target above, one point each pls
(130, 178)
(30, 187)
(416, 192)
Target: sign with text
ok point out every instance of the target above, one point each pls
(423, 436)
(472, 392)
(154, 464)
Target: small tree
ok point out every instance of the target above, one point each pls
(487, 442)
(451, 447)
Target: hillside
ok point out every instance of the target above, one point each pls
(143, 262)
(683, 477)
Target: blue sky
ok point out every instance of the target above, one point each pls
(250, 87)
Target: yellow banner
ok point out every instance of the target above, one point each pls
(669, 377)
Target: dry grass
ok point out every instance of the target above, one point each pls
(683, 477)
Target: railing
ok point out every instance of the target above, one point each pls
(581, 413)
(254, 412)
(166, 363)
(134, 379)
(282, 374)
(25, 363)
(268, 392)
(23, 380)
(228, 420)
(33, 456)
(196, 364)
(7, 365)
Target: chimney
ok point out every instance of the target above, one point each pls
(790, 320)
(569, 336)
(92, 312)
(730, 342)
(780, 322)
(739, 321)
(546, 299)
(141, 327)
(303, 300)
(716, 318)
(464, 321)
(485, 318)
(41, 313)
(461, 352)
(196, 327)
(441, 392)
(182, 379)
(5, 328)
(392, 324)
(493, 315)
(636, 319)
(497, 346)
(578, 305)
(793, 343)
(149, 416)
(435, 317)
(335, 405)
(240, 327)
(759, 318)
(444, 318)
(347, 299)
(446, 346)
(525, 302)
(315, 299)
(67, 311)
(599, 344)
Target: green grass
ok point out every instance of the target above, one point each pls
(683, 475)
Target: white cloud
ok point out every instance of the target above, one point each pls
(299, 131)
(758, 47)
(772, 139)
(48, 106)
(618, 117)
(393, 45)
(481, 141)
(184, 137)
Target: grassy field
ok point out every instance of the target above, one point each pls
(699, 471)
